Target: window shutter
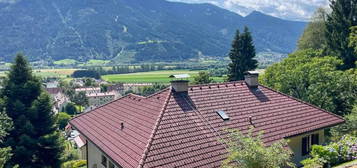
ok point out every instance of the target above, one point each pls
(304, 146)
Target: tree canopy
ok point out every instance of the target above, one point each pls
(309, 76)
(202, 78)
(314, 36)
(242, 56)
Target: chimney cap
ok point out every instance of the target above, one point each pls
(251, 73)
(251, 79)
(180, 76)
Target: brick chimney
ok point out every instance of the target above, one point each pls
(179, 85)
(251, 78)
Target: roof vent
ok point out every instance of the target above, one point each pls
(223, 115)
(251, 78)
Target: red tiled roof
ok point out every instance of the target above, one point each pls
(171, 129)
(53, 90)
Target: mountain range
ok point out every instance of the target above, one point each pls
(133, 30)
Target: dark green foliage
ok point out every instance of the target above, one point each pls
(349, 127)
(148, 90)
(353, 38)
(34, 139)
(49, 141)
(80, 99)
(89, 82)
(5, 127)
(202, 78)
(242, 56)
(113, 30)
(339, 22)
(71, 109)
(309, 76)
(62, 120)
(86, 74)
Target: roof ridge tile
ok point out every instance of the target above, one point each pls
(303, 102)
(148, 146)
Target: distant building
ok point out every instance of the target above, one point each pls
(181, 126)
(52, 84)
(59, 99)
(119, 87)
(98, 99)
(89, 90)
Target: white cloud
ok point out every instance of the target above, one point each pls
(287, 9)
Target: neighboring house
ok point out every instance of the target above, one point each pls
(59, 99)
(119, 87)
(80, 143)
(89, 90)
(134, 86)
(52, 84)
(181, 126)
(98, 99)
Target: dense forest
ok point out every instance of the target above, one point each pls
(133, 31)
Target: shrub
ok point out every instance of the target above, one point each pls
(62, 120)
(75, 164)
(343, 150)
(248, 151)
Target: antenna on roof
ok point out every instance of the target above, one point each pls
(121, 125)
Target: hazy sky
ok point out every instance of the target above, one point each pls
(287, 9)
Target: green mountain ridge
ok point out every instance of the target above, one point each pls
(133, 30)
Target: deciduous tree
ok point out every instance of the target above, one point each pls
(314, 34)
(313, 78)
(202, 78)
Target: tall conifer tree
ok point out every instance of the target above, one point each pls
(242, 56)
(339, 22)
(34, 131)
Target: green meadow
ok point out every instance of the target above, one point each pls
(152, 77)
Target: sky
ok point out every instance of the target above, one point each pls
(287, 9)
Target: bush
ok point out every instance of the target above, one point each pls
(75, 164)
(62, 120)
(248, 151)
(71, 109)
(334, 153)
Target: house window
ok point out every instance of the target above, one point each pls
(111, 165)
(307, 142)
(104, 161)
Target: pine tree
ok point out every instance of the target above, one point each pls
(49, 142)
(32, 117)
(242, 56)
(339, 22)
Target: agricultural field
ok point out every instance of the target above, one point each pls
(58, 73)
(151, 77)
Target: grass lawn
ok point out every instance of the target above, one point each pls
(348, 164)
(151, 77)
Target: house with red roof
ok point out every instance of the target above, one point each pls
(181, 126)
